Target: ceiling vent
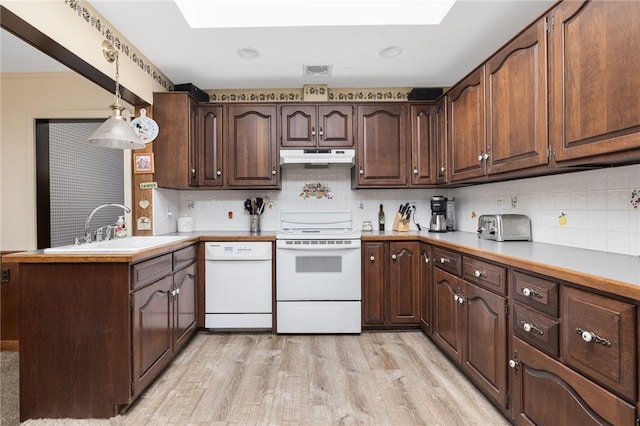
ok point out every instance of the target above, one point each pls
(317, 70)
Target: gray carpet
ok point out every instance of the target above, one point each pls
(9, 394)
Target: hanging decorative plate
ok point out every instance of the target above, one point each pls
(146, 128)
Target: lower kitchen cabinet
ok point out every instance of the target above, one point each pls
(391, 287)
(470, 326)
(546, 392)
(112, 329)
(426, 290)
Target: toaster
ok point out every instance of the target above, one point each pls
(504, 227)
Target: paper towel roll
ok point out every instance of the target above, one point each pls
(185, 224)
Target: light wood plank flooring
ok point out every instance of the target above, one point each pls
(377, 378)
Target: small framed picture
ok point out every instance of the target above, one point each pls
(143, 163)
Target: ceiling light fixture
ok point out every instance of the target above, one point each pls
(390, 52)
(248, 53)
(278, 13)
(116, 132)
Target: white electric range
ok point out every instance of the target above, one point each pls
(318, 287)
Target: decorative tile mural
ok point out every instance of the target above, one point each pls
(386, 94)
(635, 198)
(316, 190)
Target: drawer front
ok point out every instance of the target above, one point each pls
(536, 292)
(449, 261)
(184, 257)
(146, 272)
(487, 275)
(598, 339)
(536, 329)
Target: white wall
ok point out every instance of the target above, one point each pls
(23, 99)
(597, 205)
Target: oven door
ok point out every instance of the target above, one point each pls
(318, 270)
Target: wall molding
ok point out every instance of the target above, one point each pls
(384, 94)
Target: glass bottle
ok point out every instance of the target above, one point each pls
(381, 219)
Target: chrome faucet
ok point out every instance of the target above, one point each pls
(87, 235)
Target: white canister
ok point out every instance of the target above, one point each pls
(185, 224)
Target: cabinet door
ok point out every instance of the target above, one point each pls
(210, 145)
(373, 283)
(252, 146)
(404, 283)
(151, 331)
(447, 317)
(175, 148)
(184, 304)
(442, 174)
(298, 126)
(426, 293)
(517, 103)
(484, 357)
(466, 138)
(335, 126)
(423, 145)
(545, 392)
(382, 146)
(594, 84)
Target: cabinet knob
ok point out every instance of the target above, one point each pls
(444, 260)
(480, 158)
(528, 327)
(321, 132)
(485, 156)
(529, 292)
(313, 131)
(372, 258)
(589, 336)
(361, 171)
(394, 257)
(442, 169)
(415, 170)
(479, 274)
(456, 297)
(513, 364)
(273, 171)
(219, 173)
(426, 258)
(193, 171)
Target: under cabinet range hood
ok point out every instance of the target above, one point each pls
(317, 157)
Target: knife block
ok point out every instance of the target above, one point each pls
(400, 224)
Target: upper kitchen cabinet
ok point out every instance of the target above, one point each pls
(210, 152)
(176, 148)
(466, 136)
(423, 144)
(311, 126)
(516, 101)
(442, 172)
(252, 150)
(382, 148)
(594, 85)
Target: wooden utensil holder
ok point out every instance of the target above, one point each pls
(400, 224)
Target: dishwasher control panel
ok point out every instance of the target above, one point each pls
(238, 250)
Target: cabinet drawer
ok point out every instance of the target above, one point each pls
(487, 275)
(150, 270)
(598, 339)
(538, 293)
(184, 257)
(447, 260)
(536, 329)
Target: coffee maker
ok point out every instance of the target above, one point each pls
(438, 221)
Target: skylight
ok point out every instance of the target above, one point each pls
(301, 13)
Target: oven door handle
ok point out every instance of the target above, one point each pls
(318, 247)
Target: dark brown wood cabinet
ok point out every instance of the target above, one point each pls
(176, 149)
(426, 289)
(391, 287)
(516, 103)
(119, 326)
(441, 151)
(594, 110)
(317, 126)
(382, 149)
(466, 135)
(210, 171)
(252, 150)
(470, 324)
(423, 145)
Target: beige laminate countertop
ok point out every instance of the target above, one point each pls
(609, 272)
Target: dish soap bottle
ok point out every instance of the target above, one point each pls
(381, 219)
(121, 228)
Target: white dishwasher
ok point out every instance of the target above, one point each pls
(238, 285)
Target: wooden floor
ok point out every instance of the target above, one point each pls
(383, 378)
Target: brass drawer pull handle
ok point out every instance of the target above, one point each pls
(528, 327)
(589, 336)
(529, 292)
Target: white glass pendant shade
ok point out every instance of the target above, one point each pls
(116, 133)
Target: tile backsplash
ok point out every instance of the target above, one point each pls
(596, 209)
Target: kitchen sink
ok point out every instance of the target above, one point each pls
(117, 246)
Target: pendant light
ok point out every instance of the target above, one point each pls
(115, 132)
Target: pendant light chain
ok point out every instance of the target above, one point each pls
(117, 78)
